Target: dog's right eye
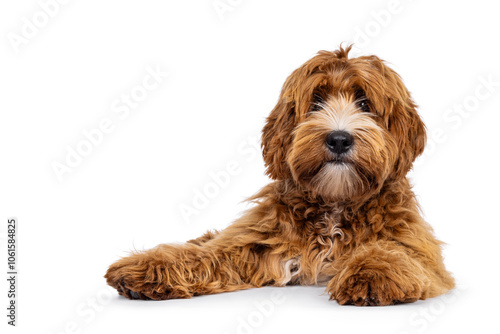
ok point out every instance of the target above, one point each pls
(317, 102)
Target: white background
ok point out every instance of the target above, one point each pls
(225, 74)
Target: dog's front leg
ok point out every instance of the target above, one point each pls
(242, 256)
(176, 271)
(380, 273)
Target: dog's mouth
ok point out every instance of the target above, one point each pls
(338, 161)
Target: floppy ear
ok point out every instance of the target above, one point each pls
(409, 131)
(277, 133)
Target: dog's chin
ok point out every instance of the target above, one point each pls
(337, 180)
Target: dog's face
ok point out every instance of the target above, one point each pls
(342, 127)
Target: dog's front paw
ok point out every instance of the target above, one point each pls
(141, 276)
(374, 288)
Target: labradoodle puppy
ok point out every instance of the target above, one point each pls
(339, 212)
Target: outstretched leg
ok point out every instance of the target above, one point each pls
(172, 271)
(252, 252)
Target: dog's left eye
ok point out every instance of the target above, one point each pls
(364, 106)
(362, 101)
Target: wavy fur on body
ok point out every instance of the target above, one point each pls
(348, 221)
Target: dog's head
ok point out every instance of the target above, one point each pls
(342, 127)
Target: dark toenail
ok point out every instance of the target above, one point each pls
(134, 295)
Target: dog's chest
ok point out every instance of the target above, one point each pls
(328, 228)
(322, 235)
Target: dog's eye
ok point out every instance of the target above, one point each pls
(364, 106)
(316, 103)
(362, 101)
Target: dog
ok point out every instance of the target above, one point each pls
(340, 211)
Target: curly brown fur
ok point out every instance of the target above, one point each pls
(346, 220)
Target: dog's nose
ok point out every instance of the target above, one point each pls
(339, 141)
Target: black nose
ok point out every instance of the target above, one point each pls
(339, 141)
